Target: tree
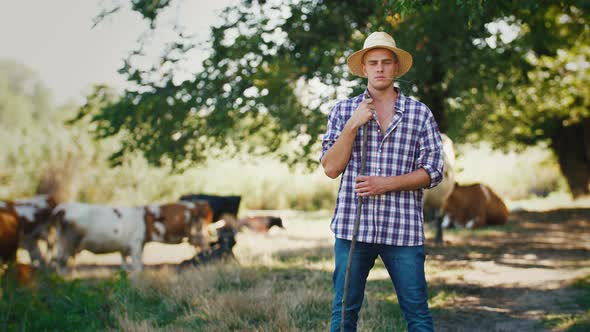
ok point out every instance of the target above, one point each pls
(23, 97)
(550, 104)
(265, 53)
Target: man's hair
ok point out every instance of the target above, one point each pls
(395, 58)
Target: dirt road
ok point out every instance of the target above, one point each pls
(512, 278)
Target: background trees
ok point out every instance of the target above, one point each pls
(513, 73)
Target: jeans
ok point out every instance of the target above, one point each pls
(406, 270)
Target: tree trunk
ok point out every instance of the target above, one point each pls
(572, 147)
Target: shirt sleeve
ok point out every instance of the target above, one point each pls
(333, 130)
(431, 156)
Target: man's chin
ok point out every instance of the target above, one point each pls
(382, 85)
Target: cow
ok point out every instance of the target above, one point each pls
(474, 206)
(9, 232)
(106, 229)
(219, 204)
(260, 224)
(171, 221)
(33, 215)
(434, 199)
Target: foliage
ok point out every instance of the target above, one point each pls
(23, 97)
(547, 91)
(275, 68)
(68, 153)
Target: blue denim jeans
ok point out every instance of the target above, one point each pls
(406, 270)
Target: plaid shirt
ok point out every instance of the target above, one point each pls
(412, 141)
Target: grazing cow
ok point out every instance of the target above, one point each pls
(219, 204)
(260, 224)
(33, 215)
(434, 199)
(172, 222)
(475, 206)
(9, 232)
(105, 229)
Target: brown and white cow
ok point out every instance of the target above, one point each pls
(473, 206)
(34, 218)
(106, 229)
(9, 232)
(173, 222)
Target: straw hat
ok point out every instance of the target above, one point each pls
(379, 40)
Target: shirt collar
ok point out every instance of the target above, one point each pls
(399, 103)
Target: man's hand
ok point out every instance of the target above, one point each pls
(362, 114)
(371, 185)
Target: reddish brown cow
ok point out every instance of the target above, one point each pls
(9, 232)
(260, 224)
(173, 220)
(475, 205)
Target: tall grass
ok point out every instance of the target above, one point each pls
(513, 175)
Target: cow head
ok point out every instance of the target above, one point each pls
(34, 212)
(200, 211)
(275, 221)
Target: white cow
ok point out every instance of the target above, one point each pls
(105, 229)
(434, 199)
(100, 229)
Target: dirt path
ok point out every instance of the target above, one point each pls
(510, 280)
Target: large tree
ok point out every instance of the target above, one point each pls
(273, 66)
(23, 97)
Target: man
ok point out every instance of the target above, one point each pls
(404, 156)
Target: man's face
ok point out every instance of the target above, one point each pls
(381, 67)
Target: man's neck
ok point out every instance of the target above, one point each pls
(386, 95)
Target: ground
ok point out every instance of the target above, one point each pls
(510, 278)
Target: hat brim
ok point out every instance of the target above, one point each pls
(355, 60)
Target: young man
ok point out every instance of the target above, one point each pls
(404, 155)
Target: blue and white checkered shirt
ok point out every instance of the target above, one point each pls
(412, 141)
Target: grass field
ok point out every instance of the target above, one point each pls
(531, 275)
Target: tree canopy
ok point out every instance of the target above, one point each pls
(275, 68)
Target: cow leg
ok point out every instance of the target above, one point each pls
(125, 260)
(439, 219)
(68, 240)
(205, 239)
(480, 217)
(136, 263)
(50, 245)
(32, 246)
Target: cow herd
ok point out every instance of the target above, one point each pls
(71, 227)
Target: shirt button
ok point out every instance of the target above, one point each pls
(379, 170)
(380, 150)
